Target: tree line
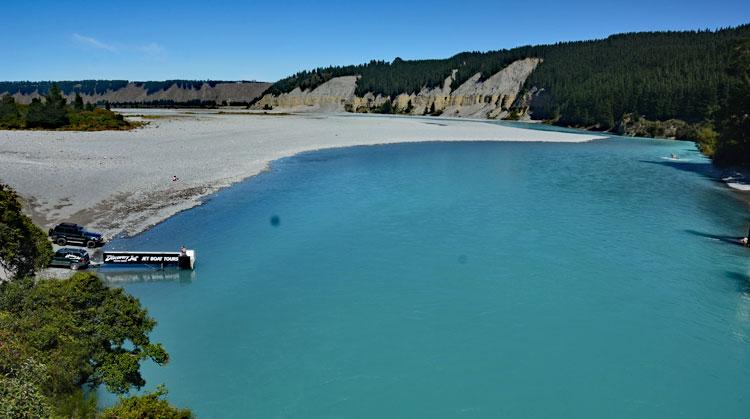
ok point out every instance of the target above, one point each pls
(87, 87)
(54, 112)
(92, 87)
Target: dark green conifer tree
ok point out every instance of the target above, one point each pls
(10, 117)
(50, 114)
(733, 145)
(78, 102)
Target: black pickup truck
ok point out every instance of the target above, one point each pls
(68, 233)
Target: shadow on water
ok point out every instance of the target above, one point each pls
(734, 240)
(705, 169)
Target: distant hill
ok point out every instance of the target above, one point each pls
(594, 84)
(146, 93)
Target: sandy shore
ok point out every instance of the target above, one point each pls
(120, 182)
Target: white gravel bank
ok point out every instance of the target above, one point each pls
(120, 181)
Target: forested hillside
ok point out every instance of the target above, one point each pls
(406, 76)
(733, 118)
(686, 84)
(658, 75)
(167, 93)
(91, 87)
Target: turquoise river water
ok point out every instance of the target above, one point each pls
(478, 279)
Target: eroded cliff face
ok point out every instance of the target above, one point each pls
(331, 96)
(136, 93)
(491, 98)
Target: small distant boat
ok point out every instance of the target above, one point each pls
(737, 176)
(674, 158)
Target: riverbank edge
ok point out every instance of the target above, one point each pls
(132, 212)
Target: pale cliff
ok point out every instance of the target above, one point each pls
(490, 98)
(330, 96)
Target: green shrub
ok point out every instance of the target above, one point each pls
(96, 120)
(149, 405)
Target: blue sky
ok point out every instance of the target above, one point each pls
(156, 40)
